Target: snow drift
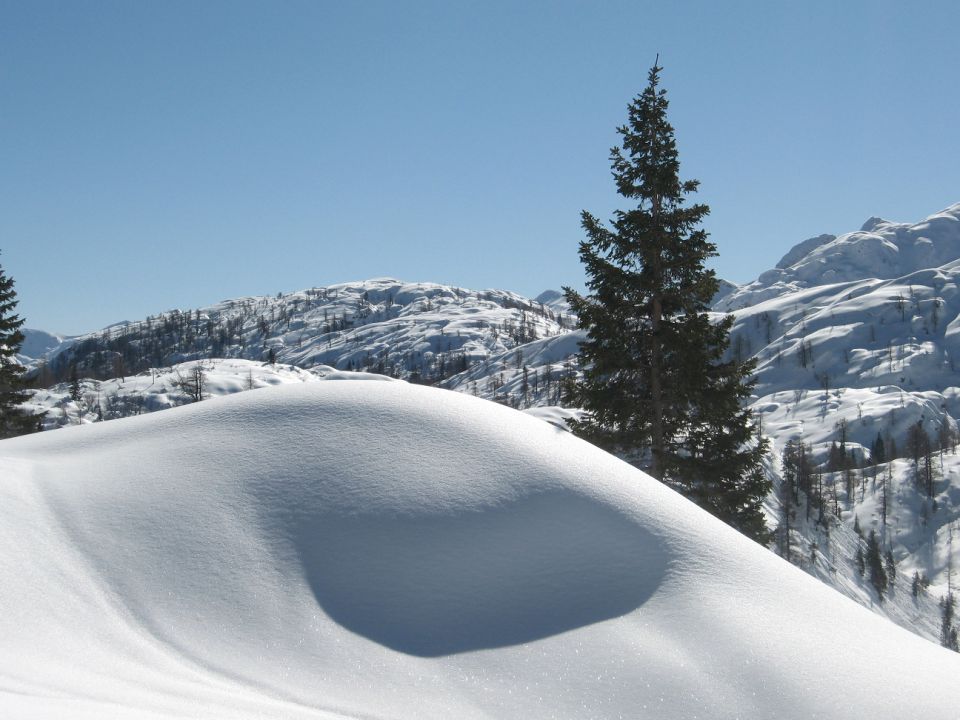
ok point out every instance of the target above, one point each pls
(382, 550)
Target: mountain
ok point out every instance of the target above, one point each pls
(880, 250)
(348, 549)
(37, 344)
(850, 350)
(420, 331)
(856, 343)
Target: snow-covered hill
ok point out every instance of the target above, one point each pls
(856, 343)
(879, 250)
(162, 388)
(382, 550)
(421, 331)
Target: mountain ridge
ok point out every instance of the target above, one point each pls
(880, 249)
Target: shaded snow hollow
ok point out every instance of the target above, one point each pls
(383, 550)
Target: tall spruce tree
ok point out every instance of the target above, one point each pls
(658, 384)
(14, 420)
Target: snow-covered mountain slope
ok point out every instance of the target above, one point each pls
(162, 389)
(422, 331)
(879, 250)
(555, 300)
(866, 333)
(381, 550)
(855, 339)
(37, 344)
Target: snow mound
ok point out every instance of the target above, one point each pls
(378, 549)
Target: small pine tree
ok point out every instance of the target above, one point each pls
(14, 419)
(787, 497)
(891, 566)
(799, 472)
(878, 576)
(920, 451)
(878, 451)
(76, 392)
(948, 631)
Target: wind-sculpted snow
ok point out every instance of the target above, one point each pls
(382, 550)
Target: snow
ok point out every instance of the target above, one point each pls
(162, 389)
(880, 249)
(410, 330)
(383, 550)
(880, 341)
(880, 356)
(37, 343)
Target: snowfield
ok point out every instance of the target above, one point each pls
(384, 550)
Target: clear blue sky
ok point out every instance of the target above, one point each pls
(173, 154)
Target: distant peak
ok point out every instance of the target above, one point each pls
(873, 223)
(801, 250)
(548, 296)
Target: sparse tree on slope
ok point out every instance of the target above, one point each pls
(194, 384)
(921, 454)
(948, 631)
(657, 385)
(14, 419)
(878, 575)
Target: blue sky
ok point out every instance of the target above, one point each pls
(173, 154)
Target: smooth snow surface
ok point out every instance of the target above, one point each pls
(382, 550)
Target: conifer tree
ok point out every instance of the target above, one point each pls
(658, 384)
(948, 632)
(14, 419)
(878, 576)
